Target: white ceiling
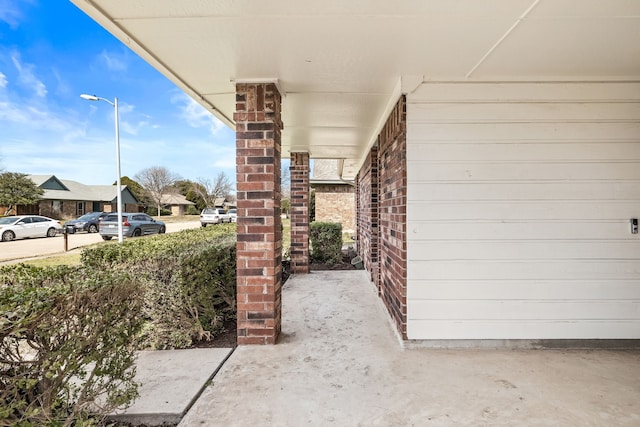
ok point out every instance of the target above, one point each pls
(342, 64)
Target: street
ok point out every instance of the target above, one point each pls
(34, 248)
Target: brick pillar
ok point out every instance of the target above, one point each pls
(259, 247)
(299, 213)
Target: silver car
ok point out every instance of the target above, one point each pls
(133, 225)
(87, 222)
(25, 226)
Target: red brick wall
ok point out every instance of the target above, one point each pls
(336, 203)
(299, 171)
(259, 247)
(392, 208)
(367, 214)
(381, 215)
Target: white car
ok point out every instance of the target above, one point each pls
(25, 226)
(233, 213)
(213, 216)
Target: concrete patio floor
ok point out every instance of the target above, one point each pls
(339, 363)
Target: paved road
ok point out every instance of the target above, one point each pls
(34, 248)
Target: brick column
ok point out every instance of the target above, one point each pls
(259, 247)
(299, 213)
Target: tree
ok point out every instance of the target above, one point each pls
(136, 189)
(186, 188)
(183, 186)
(156, 180)
(18, 189)
(285, 179)
(192, 196)
(285, 187)
(211, 190)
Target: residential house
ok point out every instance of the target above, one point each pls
(66, 199)
(224, 203)
(335, 198)
(176, 203)
(494, 146)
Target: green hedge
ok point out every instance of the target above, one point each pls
(69, 334)
(188, 280)
(326, 242)
(66, 335)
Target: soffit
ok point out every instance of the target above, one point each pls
(339, 63)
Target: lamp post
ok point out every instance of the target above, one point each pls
(114, 104)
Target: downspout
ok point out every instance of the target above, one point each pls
(341, 172)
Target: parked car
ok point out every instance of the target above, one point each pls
(25, 226)
(213, 216)
(133, 225)
(233, 214)
(87, 222)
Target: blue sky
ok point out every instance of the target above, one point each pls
(50, 53)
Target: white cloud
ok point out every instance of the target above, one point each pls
(33, 116)
(125, 108)
(9, 13)
(3, 80)
(113, 61)
(133, 128)
(195, 115)
(27, 78)
(62, 87)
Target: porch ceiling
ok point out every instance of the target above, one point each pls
(341, 64)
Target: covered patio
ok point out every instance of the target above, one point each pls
(338, 362)
(494, 147)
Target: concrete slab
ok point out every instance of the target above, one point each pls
(170, 381)
(339, 363)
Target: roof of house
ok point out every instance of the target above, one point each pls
(326, 171)
(64, 189)
(175, 199)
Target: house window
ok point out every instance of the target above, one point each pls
(80, 208)
(56, 206)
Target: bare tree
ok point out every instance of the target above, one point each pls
(156, 180)
(285, 179)
(210, 190)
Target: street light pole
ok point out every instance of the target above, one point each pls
(114, 104)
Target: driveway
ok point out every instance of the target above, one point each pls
(36, 248)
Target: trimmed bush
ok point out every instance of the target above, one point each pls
(153, 211)
(192, 210)
(188, 280)
(326, 242)
(65, 349)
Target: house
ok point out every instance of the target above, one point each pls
(224, 203)
(176, 203)
(494, 146)
(335, 198)
(66, 199)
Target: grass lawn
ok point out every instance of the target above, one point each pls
(68, 259)
(178, 218)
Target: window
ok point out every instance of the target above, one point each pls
(80, 208)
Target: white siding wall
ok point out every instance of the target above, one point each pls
(519, 201)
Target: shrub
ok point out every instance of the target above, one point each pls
(326, 242)
(192, 210)
(153, 211)
(65, 349)
(188, 280)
